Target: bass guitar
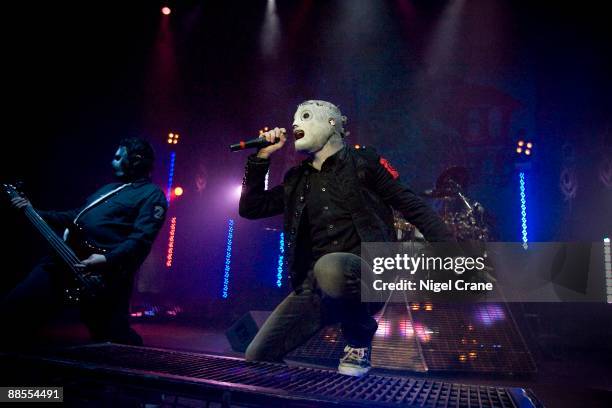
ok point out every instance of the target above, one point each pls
(80, 283)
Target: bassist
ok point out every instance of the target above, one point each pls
(120, 222)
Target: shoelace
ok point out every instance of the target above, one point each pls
(353, 352)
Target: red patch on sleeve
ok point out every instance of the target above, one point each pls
(385, 163)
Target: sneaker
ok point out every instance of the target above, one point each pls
(355, 362)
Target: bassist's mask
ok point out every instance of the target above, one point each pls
(120, 164)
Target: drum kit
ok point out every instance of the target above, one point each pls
(465, 217)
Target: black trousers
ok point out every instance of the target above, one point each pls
(330, 294)
(36, 299)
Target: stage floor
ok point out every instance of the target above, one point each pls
(575, 382)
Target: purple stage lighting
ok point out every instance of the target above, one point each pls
(489, 314)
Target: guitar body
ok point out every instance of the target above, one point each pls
(76, 290)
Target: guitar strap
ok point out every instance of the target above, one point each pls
(94, 203)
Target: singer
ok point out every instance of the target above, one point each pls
(335, 199)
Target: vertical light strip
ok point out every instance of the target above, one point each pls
(523, 209)
(281, 260)
(170, 253)
(266, 180)
(608, 268)
(170, 176)
(228, 259)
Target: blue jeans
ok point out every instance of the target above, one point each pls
(331, 293)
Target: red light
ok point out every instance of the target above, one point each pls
(166, 11)
(178, 191)
(170, 252)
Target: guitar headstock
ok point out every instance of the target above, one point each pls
(13, 190)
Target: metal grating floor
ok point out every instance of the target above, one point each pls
(479, 338)
(309, 384)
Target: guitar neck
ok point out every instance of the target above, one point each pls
(57, 243)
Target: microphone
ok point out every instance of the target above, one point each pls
(257, 143)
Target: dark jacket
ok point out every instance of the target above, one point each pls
(125, 223)
(369, 184)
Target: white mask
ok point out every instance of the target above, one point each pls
(314, 123)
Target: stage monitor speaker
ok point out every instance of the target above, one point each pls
(244, 329)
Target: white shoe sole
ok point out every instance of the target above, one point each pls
(353, 371)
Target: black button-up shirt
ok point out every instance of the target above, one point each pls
(329, 219)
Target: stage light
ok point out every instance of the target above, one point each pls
(489, 314)
(170, 251)
(173, 138)
(270, 31)
(608, 268)
(281, 260)
(357, 146)
(228, 259)
(265, 181)
(166, 11)
(170, 176)
(178, 191)
(524, 147)
(406, 329)
(384, 328)
(423, 332)
(523, 196)
(238, 191)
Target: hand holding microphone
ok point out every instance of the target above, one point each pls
(267, 143)
(277, 137)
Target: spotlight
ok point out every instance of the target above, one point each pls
(523, 147)
(166, 11)
(238, 191)
(178, 191)
(173, 138)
